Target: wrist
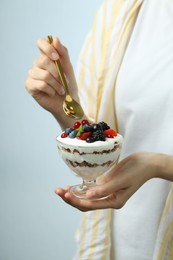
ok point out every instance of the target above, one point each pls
(164, 167)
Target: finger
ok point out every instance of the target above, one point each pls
(111, 201)
(45, 63)
(62, 50)
(112, 186)
(87, 205)
(57, 47)
(69, 198)
(61, 191)
(44, 75)
(34, 87)
(63, 53)
(47, 48)
(111, 182)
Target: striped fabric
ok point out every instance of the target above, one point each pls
(96, 73)
(164, 243)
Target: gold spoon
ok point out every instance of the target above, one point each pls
(70, 106)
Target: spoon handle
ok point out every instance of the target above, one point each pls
(59, 69)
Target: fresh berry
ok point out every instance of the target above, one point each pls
(84, 122)
(110, 132)
(98, 135)
(84, 135)
(110, 136)
(89, 132)
(63, 135)
(73, 134)
(104, 126)
(68, 130)
(96, 127)
(77, 125)
(87, 128)
(90, 139)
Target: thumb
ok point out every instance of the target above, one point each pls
(63, 53)
(61, 49)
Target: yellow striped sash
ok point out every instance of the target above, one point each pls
(97, 80)
(164, 243)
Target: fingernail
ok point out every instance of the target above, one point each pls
(58, 40)
(54, 55)
(56, 191)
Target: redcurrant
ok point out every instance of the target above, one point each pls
(63, 135)
(77, 125)
(84, 122)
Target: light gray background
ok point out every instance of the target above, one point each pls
(34, 223)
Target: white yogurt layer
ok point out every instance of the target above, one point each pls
(90, 160)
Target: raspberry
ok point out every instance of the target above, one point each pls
(77, 125)
(110, 136)
(84, 135)
(84, 122)
(63, 135)
(110, 132)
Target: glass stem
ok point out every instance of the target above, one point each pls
(89, 183)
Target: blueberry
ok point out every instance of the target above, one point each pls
(87, 128)
(90, 139)
(68, 130)
(73, 134)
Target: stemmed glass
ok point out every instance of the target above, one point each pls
(89, 161)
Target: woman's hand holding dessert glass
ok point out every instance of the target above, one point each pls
(118, 185)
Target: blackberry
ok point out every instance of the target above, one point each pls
(98, 135)
(96, 127)
(104, 126)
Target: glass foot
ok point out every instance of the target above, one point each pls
(80, 190)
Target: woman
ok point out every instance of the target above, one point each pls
(129, 47)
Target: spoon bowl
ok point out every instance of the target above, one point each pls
(70, 106)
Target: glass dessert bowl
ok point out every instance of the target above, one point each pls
(89, 151)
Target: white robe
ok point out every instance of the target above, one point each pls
(144, 105)
(131, 48)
